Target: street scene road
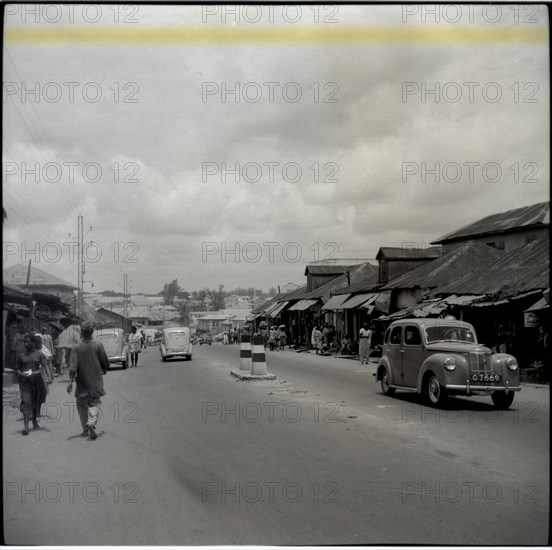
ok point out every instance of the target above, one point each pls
(188, 454)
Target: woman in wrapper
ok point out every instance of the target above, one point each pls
(40, 345)
(31, 368)
(134, 346)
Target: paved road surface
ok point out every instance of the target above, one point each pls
(186, 454)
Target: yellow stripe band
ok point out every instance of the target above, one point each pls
(323, 34)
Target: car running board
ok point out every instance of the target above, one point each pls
(404, 388)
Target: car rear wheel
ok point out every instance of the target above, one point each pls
(124, 364)
(435, 395)
(188, 357)
(502, 400)
(164, 359)
(385, 383)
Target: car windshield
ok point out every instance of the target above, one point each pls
(448, 333)
(108, 337)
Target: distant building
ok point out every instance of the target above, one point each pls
(289, 287)
(394, 261)
(212, 322)
(39, 281)
(153, 316)
(506, 230)
(319, 275)
(237, 302)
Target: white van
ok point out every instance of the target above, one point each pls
(176, 342)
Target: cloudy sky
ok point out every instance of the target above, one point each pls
(135, 124)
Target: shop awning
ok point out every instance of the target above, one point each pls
(462, 300)
(302, 305)
(254, 316)
(270, 309)
(541, 304)
(335, 302)
(357, 300)
(506, 300)
(424, 309)
(369, 304)
(277, 311)
(383, 301)
(17, 295)
(397, 315)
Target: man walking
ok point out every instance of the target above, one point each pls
(88, 364)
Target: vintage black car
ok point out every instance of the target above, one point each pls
(441, 357)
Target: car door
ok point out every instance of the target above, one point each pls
(393, 354)
(413, 354)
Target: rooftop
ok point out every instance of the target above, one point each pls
(521, 270)
(518, 218)
(407, 253)
(17, 275)
(456, 263)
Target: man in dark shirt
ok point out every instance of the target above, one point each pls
(88, 364)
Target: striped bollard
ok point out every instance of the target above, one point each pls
(258, 359)
(245, 352)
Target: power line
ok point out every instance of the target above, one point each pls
(70, 200)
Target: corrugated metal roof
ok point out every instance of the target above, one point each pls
(327, 269)
(213, 317)
(169, 313)
(302, 305)
(540, 305)
(13, 290)
(17, 275)
(356, 273)
(406, 253)
(521, 270)
(463, 259)
(264, 306)
(371, 282)
(271, 308)
(294, 294)
(335, 301)
(279, 309)
(502, 222)
(357, 300)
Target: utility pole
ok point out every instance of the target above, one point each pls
(125, 288)
(81, 265)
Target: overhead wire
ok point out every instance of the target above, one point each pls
(74, 204)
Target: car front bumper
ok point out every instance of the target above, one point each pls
(469, 388)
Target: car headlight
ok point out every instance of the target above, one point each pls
(449, 363)
(511, 363)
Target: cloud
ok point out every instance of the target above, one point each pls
(156, 123)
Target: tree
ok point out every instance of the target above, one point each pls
(172, 291)
(218, 298)
(184, 318)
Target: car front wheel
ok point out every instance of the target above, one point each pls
(502, 400)
(435, 395)
(385, 383)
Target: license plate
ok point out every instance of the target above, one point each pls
(177, 349)
(111, 354)
(486, 378)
